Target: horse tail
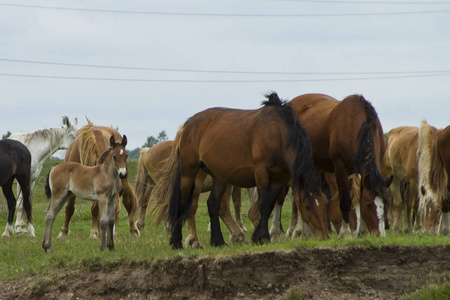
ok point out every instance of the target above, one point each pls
(167, 185)
(365, 162)
(303, 171)
(431, 172)
(48, 190)
(144, 182)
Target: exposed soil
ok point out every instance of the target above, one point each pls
(321, 273)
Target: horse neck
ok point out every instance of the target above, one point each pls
(108, 166)
(42, 146)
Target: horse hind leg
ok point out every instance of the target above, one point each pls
(70, 209)
(11, 200)
(237, 235)
(24, 182)
(213, 202)
(56, 204)
(129, 200)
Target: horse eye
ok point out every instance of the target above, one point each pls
(307, 207)
(369, 206)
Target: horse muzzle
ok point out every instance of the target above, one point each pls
(122, 173)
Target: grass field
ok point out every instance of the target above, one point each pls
(22, 255)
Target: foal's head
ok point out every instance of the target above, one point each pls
(119, 155)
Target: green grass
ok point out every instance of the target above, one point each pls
(21, 255)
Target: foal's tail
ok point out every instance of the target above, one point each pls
(167, 184)
(48, 191)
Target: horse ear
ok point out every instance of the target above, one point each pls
(124, 140)
(367, 182)
(389, 181)
(112, 141)
(75, 121)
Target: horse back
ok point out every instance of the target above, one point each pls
(401, 152)
(15, 158)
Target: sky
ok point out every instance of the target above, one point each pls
(147, 66)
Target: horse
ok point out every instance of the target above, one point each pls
(101, 183)
(42, 144)
(151, 162)
(434, 167)
(347, 137)
(400, 160)
(87, 147)
(266, 148)
(15, 163)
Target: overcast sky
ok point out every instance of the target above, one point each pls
(399, 60)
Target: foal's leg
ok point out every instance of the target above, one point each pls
(56, 204)
(70, 209)
(103, 212)
(11, 200)
(236, 233)
(111, 221)
(95, 221)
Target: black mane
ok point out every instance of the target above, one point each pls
(104, 155)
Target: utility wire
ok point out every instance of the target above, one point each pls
(222, 81)
(219, 71)
(371, 2)
(227, 15)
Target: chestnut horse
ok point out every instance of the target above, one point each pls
(15, 163)
(347, 137)
(89, 144)
(101, 183)
(401, 161)
(434, 167)
(150, 165)
(263, 148)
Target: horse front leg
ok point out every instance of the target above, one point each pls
(111, 216)
(213, 202)
(266, 198)
(129, 200)
(103, 211)
(11, 200)
(276, 227)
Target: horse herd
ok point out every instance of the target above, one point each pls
(332, 154)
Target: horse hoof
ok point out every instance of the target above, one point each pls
(238, 239)
(135, 233)
(94, 235)
(21, 230)
(140, 226)
(62, 235)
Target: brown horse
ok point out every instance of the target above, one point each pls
(150, 165)
(101, 183)
(347, 137)
(89, 144)
(434, 167)
(401, 161)
(264, 147)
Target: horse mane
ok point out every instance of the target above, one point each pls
(303, 167)
(365, 155)
(88, 149)
(104, 156)
(432, 175)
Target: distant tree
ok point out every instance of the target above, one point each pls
(7, 135)
(152, 141)
(134, 154)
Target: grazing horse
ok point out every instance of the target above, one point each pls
(400, 160)
(150, 165)
(101, 183)
(89, 144)
(42, 144)
(434, 167)
(265, 148)
(15, 163)
(347, 137)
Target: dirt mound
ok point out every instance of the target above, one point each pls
(319, 273)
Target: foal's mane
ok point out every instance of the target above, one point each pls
(303, 167)
(104, 156)
(365, 155)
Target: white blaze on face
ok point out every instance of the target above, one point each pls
(317, 202)
(121, 152)
(380, 214)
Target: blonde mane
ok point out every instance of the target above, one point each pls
(88, 149)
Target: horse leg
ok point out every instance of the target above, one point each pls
(143, 205)
(293, 223)
(267, 195)
(70, 209)
(192, 239)
(345, 199)
(444, 228)
(213, 202)
(95, 221)
(397, 204)
(24, 182)
(111, 221)
(103, 213)
(56, 204)
(277, 228)
(236, 233)
(236, 196)
(11, 200)
(130, 202)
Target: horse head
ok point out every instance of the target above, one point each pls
(313, 209)
(69, 130)
(120, 155)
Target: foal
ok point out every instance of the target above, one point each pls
(100, 183)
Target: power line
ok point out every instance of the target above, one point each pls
(225, 14)
(221, 71)
(372, 2)
(222, 81)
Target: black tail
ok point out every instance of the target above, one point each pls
(48, 191)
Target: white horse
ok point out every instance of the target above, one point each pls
(42, 144)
